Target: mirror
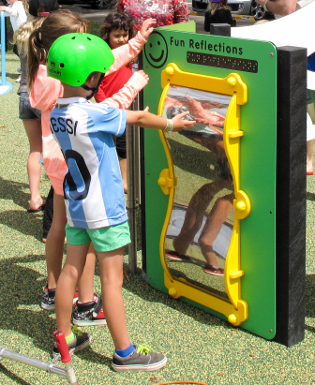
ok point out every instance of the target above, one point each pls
(200, 228)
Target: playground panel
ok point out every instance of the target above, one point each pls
(229, 86)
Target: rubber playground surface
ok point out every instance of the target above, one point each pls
(199, 346)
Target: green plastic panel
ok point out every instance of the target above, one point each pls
(256, 63)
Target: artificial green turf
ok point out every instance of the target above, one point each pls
(199, 346)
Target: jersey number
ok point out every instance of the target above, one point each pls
(73, 189)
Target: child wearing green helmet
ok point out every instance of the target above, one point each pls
(93, 187)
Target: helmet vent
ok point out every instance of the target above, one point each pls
(73, 37)
(89, 38)
(62, 65)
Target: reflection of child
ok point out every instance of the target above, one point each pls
(94, 195)
(202, 115)
(193, 221)
(218, 12)
(199, 111)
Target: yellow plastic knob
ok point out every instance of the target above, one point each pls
(162, 181)
(172, 292)
(232, 81)
(240, 205)
(232, 319)
(169, 70)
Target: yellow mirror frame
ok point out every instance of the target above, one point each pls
(235, 309)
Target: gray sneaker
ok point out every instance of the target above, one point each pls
(141, 359)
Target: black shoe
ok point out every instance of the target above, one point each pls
(80, 342)
(175, 256)
(48, 299)
(210, 269)
(89, 314)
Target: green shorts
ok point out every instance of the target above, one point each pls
(103, 239)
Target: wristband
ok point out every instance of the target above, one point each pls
(169, 126)
(265, 6)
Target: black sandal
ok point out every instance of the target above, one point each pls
(210, 269)
(175, 256)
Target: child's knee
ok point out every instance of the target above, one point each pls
(205, 244)
(113, 280)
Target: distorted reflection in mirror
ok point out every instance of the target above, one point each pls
(200, 228)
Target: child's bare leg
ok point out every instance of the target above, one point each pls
(195, 212)
(67, 282)
(85, 285)
(55, 241)
(310, 136)
(33, 131)
(111, 269)
(309, 157)
(218, 216)
(123, 171)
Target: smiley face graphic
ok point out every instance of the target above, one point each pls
(156, 51)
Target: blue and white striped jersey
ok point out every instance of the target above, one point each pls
(93, 188)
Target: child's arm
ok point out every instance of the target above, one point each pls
(45, 90)
(127, 94)
(148, 120)
(7, 10)
(13, 10)
(124, 54)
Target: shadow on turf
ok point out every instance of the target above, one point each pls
(23, 222)
(19, 220)
(14, 191)
(137, 286)
(20, 287)
(310, 296)
(310, 196)
(140, 288)
(13, 76)
(15, 378)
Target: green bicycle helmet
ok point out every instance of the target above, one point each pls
(74, 56)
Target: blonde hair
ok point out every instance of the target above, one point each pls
(58, 23)
(22, 34)
(220, 5)
(26, 6)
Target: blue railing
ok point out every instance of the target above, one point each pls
(4, 85)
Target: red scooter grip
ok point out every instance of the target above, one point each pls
(62, 346)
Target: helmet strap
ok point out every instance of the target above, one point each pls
(94, 89)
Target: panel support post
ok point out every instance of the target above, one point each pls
(220, 29)
(291, 195)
